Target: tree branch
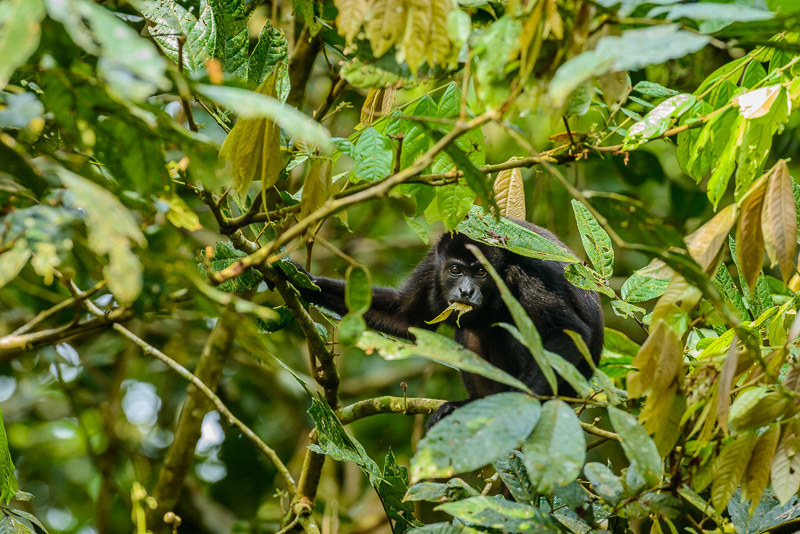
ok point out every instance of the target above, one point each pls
(180, 455)
(218, 404)
(388, 404)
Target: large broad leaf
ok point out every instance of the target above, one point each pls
(639, 448)
(475, 435)
(374, 156)
(482, 226)
(779, 220)
(633, 50)
(647, 283)
(13, 260)
(172, 22)
(439, 349)
(515, 476)
(500, 514)
(124, 270)
(19, 34)
(271, 52)
(250, 105)
(555, 452)
(785, 473)
(604, 482)
(729, 468)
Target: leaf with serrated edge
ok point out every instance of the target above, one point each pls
(756, 476)
(779, 220)
(729, 468)
(475, 435)
(749, 238)
(595, 240)
(510, 193)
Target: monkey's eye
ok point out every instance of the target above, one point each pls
(480, 272)
(454, 269)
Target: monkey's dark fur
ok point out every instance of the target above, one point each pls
(549, 299)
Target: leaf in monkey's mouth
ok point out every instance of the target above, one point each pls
(460, 307)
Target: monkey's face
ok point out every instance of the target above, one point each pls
(464, 282)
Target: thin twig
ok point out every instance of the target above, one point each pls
(218, 404)
(27, 327)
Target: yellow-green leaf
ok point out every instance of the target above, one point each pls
(439, 43)
(12, 261)
(729, 468)
(418, 31)
(316, 187)
(253, 147)
(385, 24)
(378, 101)
(779, 220)
(785, 471)
(705, 243)
(756, 476)
(749, 239)
(350, 17)
(459, 307)
(509, 193)
(181, 215)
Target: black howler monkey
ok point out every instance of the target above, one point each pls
(451, 273)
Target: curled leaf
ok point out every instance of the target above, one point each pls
(460, 307)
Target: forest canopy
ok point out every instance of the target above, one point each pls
(172, 170)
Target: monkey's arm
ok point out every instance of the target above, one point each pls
(390, 312)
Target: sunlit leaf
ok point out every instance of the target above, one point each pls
(252, 105)
(8, 481)
(756, 476)
(510, 193)
(19, 34)
(350, 16)
(705, 243)
(171, 22)
(385, 24)
(595, 240)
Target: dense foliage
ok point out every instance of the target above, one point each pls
(161, 159)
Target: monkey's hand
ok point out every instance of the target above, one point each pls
(444, 410)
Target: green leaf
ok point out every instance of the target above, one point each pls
(334, 441)
(271, 326)
(10, 525)
(13, 260)
(500, 514)
(129, 63)
(633, 50)
(358, 291)
(514, 475)
(555, 452)
(443, 528)
(595, 240)
(225, 256)
(647, 283)
(271, 52)
(250, 105)
(8, 482)
(729, 468)
(757, 406)
(785, 472)
(482, 226)
(316, 187)
(171, 22)
(625, 309)
(450, 205)
(475, 435)
(604, 482)
(583, 277)
(455, 489)
(438, 349)
(124, 270)
(658, 120)
(20, 29)
(638, 446)
(28, 517)
(712, 11)
(374, 156)
(653, 89)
